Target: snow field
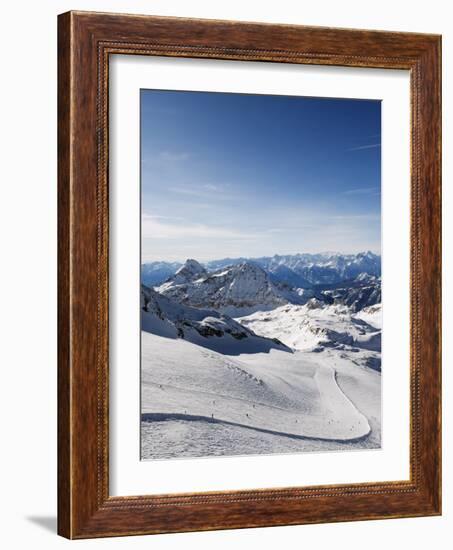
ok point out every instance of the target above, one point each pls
(274, 392)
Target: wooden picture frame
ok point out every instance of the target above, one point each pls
(85, 42)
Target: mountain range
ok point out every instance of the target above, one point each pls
(242, 288)
(296, 270)
(287, 346)
(243, 307)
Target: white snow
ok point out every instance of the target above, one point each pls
(304, 327)
(234, 362)
(221, 274)
(371, 315)
(204, 327)
(286, 394)
(240, 288)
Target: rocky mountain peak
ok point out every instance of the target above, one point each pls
(190, 271)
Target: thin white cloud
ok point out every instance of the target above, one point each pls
(358, 217)
(212, 187)
(164, 158)
(188, 190)
(159, 217)
(154, 228)
(361, 147)
(259, 233)
(204, 190)
(288, 227)
(162, 240)
(174, 156)
(361, 191)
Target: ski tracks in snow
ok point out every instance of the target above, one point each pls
(323, 413)
(346, 421)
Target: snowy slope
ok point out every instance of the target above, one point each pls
(371, 315)
(207, 328)
(314, 324)
(292, 394)
(236, 361)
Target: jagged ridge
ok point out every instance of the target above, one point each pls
(208, 328)
(240, 286)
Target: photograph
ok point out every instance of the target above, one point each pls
(233, 219)
(260, 274)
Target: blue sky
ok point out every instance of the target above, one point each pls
(227, 175)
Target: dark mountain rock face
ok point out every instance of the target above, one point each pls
(356, 297)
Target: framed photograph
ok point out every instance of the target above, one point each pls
(249, 275)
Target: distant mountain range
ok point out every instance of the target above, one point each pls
(242, 288)
(297, 270)
(249, 306)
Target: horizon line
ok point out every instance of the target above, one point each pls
(323, 253)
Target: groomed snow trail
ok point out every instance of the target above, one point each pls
(291, 397)
(343, 415)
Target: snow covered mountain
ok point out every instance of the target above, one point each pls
(296, 270)
(313, 269)
(243, 288)
(235, 290)
(362, 292)
(190, 271)
(316, 326)
(280, 354)
(207, 328)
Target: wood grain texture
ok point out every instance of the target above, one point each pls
(86, 40)
(64, 308)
